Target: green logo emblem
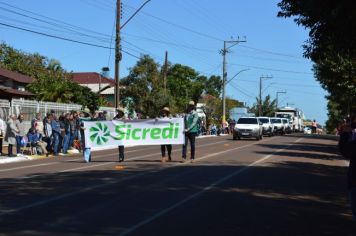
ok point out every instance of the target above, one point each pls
(99, 134)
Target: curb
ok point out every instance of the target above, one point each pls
(6, 160)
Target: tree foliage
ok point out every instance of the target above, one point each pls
(52, 83)
(331, 46)
(145, 87)
(268, 106)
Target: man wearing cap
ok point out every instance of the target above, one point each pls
(120, 116)
(165, 114)
(191, 130)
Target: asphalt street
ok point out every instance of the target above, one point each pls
(291, 185)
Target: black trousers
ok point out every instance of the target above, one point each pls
(169, 150)
(191, 138)
(121, 152)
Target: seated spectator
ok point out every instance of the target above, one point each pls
(35, 140)
(213, 130)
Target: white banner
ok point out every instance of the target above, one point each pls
(111, 134)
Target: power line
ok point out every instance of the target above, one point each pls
(270, 52)
(168, 43)
(130, 54)
(272, 69)
(55, 20)
(178, 26)
(54, 36)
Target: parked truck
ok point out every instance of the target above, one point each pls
(294, 115)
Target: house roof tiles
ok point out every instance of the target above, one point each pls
(16, 76)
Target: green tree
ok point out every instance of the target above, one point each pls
(144, 88)
(331, 46)
(52, 83)
(213, 86)
(268, 106)
(184, 84)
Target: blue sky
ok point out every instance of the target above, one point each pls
(192, 31)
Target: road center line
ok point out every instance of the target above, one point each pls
(77, 159)
(102, 164)
(49, 200)
(166, 210)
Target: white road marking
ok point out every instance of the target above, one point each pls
(90, 166)
(77, 159)
(62, 196)
(166, 210)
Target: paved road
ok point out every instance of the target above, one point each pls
(292, 185)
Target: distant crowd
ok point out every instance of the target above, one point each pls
(49, 134)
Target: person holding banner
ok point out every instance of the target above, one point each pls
(84, 116)
(120, 116)
(191, 130)
(165, 114)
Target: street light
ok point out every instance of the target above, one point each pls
(236, 75)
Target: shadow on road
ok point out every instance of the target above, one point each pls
(283, 198)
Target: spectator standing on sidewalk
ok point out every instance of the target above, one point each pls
(165, 114)
(84, 116)
(119, 117)
(37, 124)
(20, 124)
(56, 133)
(11, 133)
(191, 129)
(67, 133)
(47, 128)
(2, 133)
(314, 127)
(73, 128)
(347, 146)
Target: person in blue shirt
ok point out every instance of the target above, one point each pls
(35, 139)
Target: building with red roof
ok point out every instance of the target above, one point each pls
(97, 83)
(13, 85)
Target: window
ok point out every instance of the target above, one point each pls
(247, 121)
(264, 120)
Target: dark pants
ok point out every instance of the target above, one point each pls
(10, 150)
(314, 130)
(353, 201)
(48, 140)
(56, 140)
(191, 138)
(18, 143)
(169, 150)
(121, 153)
(73, 136)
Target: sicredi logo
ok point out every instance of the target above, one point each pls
(100, 133)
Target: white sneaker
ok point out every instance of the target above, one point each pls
(19, 154)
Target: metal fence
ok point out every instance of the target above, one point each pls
(29, 108)
(4, 109)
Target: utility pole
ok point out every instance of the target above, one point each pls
(118, 55)
(165, 73)
(278, 92)
(224, 52)
(260, 103)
